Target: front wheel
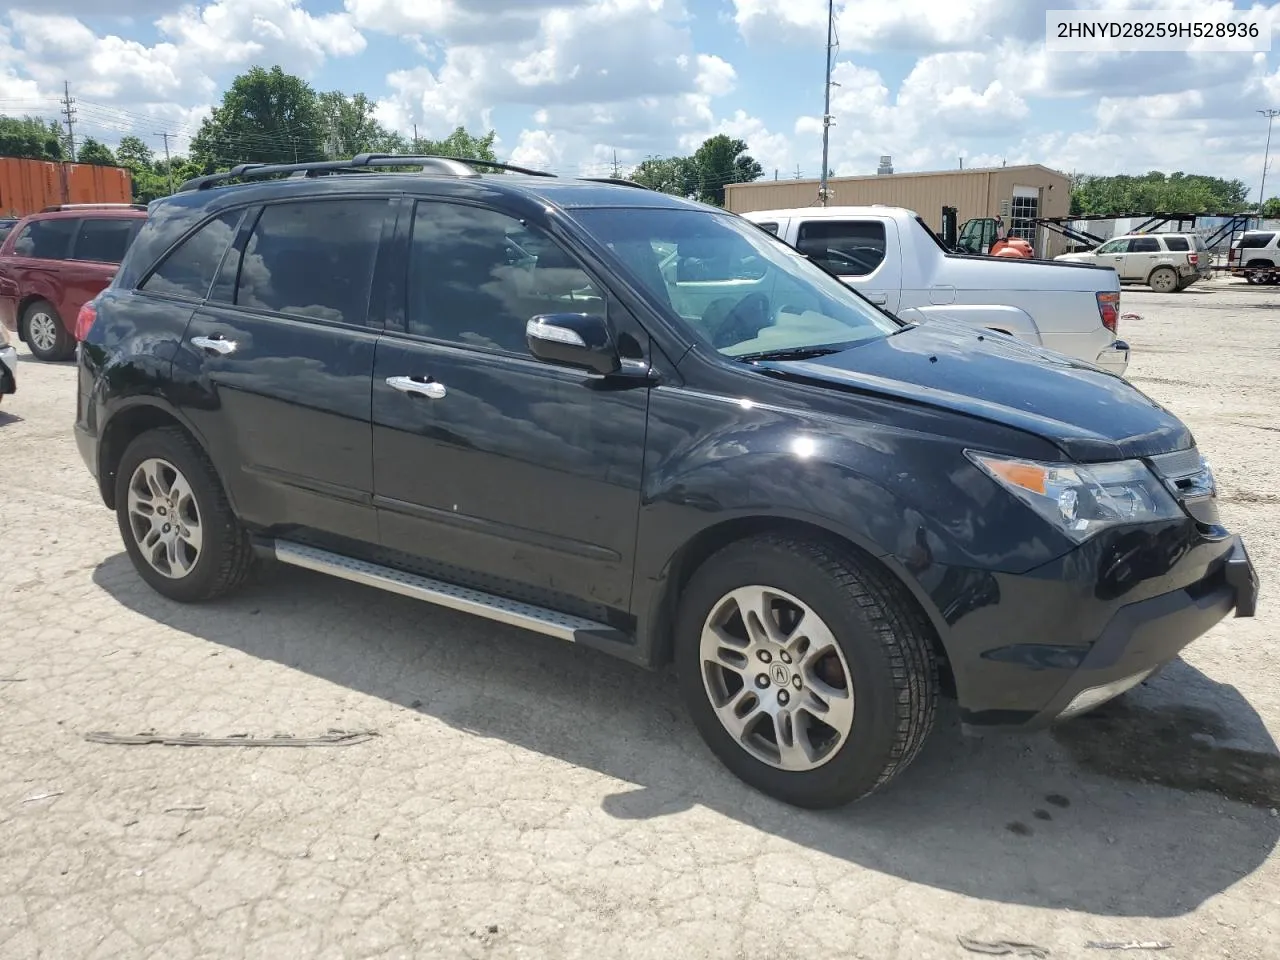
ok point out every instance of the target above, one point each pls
(809, 672)
(45, 334)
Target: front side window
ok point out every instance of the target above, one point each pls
(188, 271)
(1178, 244)
(104, 240)
(477, 277)
(753, 294)
(1114, 246)
(848, 248)
(313, 258)
(1144, 245)
(46, 239)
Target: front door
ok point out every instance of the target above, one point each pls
(282, 353)
(863, 252)
(1143, 256)
(496, 468)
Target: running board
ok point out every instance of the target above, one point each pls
(525, 615)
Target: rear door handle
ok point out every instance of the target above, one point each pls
(878, 298)
(216, 344)
(431, 390)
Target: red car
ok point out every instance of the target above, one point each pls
(54, 262)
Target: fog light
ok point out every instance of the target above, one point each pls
(1086, 700)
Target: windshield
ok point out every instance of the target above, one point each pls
(734, 286)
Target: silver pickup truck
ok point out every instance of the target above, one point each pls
(890, 256)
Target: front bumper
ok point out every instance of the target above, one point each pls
(1115, 358)
(1031, 649)
(8, 370)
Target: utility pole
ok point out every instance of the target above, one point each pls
(826, 108)
(1270, 115)
(415, 138)
(168, 164)
(797, 171)
(616, 174)
(68, 111)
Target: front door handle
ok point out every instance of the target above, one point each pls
(217, 344)
(431, 390)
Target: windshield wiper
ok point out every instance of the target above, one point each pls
(791, 353)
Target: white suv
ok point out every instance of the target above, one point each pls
(1255, 255)
(1166, 262)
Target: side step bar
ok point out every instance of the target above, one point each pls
(513, 612)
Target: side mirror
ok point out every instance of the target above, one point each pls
(575, 339)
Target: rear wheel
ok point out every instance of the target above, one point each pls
(175, 520)
(809, 672)
(45, 334)
(1164, 280)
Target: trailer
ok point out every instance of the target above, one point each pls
(28, 186)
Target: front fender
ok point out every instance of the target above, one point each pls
(994, 317)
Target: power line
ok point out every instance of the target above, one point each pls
(69, 111)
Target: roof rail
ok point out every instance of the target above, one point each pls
(617, 181)
(448, 166)
(56, 207)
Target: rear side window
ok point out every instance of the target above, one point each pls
(1256, 241)
(1176, 243)
(1144, 245)
(46, 239)
(849, 248)
(6, 228)
(769, 228)
(188, 271)
(313, 258)
(104, 240)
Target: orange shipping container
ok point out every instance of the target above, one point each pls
(28, 186)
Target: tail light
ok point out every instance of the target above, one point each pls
(1109, 310)
(1193, 258)
(84, 320)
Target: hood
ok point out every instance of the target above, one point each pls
(1089, 414)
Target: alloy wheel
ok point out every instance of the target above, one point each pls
(776, 678)
(164, 518)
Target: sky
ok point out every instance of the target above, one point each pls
(570, 85)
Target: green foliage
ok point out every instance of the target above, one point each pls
(460, 144)
(674, 175)
(1271, 209)
(31, 138)
(350, 126)
(719, 161)
(134, 154)
(266, 116)
(1156, 192)
(99, 154)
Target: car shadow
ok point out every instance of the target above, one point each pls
(1083, 818)
(7, 418)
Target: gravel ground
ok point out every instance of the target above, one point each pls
(530, 799)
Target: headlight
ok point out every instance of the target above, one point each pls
(1082, 499)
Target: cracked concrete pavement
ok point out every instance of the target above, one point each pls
(529, 799)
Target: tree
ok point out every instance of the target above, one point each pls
(30, 137)
(350, 126)
(266, 116)
(674, 175)
(459, 144)
(719, 161)
(1156, 192)
(98, 154)
(135, 154)
(1271, 209)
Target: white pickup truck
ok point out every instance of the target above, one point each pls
(890, 256)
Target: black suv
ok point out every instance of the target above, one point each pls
(647, 426)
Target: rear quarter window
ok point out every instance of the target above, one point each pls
(1176, 243)
(104, 240)
(1256, 241)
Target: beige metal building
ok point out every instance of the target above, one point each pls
(1013, 193)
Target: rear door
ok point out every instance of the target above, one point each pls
(281, 355)
(97, 248)
(864, 252)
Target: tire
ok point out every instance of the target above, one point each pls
(1164, 280)
(1258, 272)
(223, 556)
(875, 633)
(45, 335)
